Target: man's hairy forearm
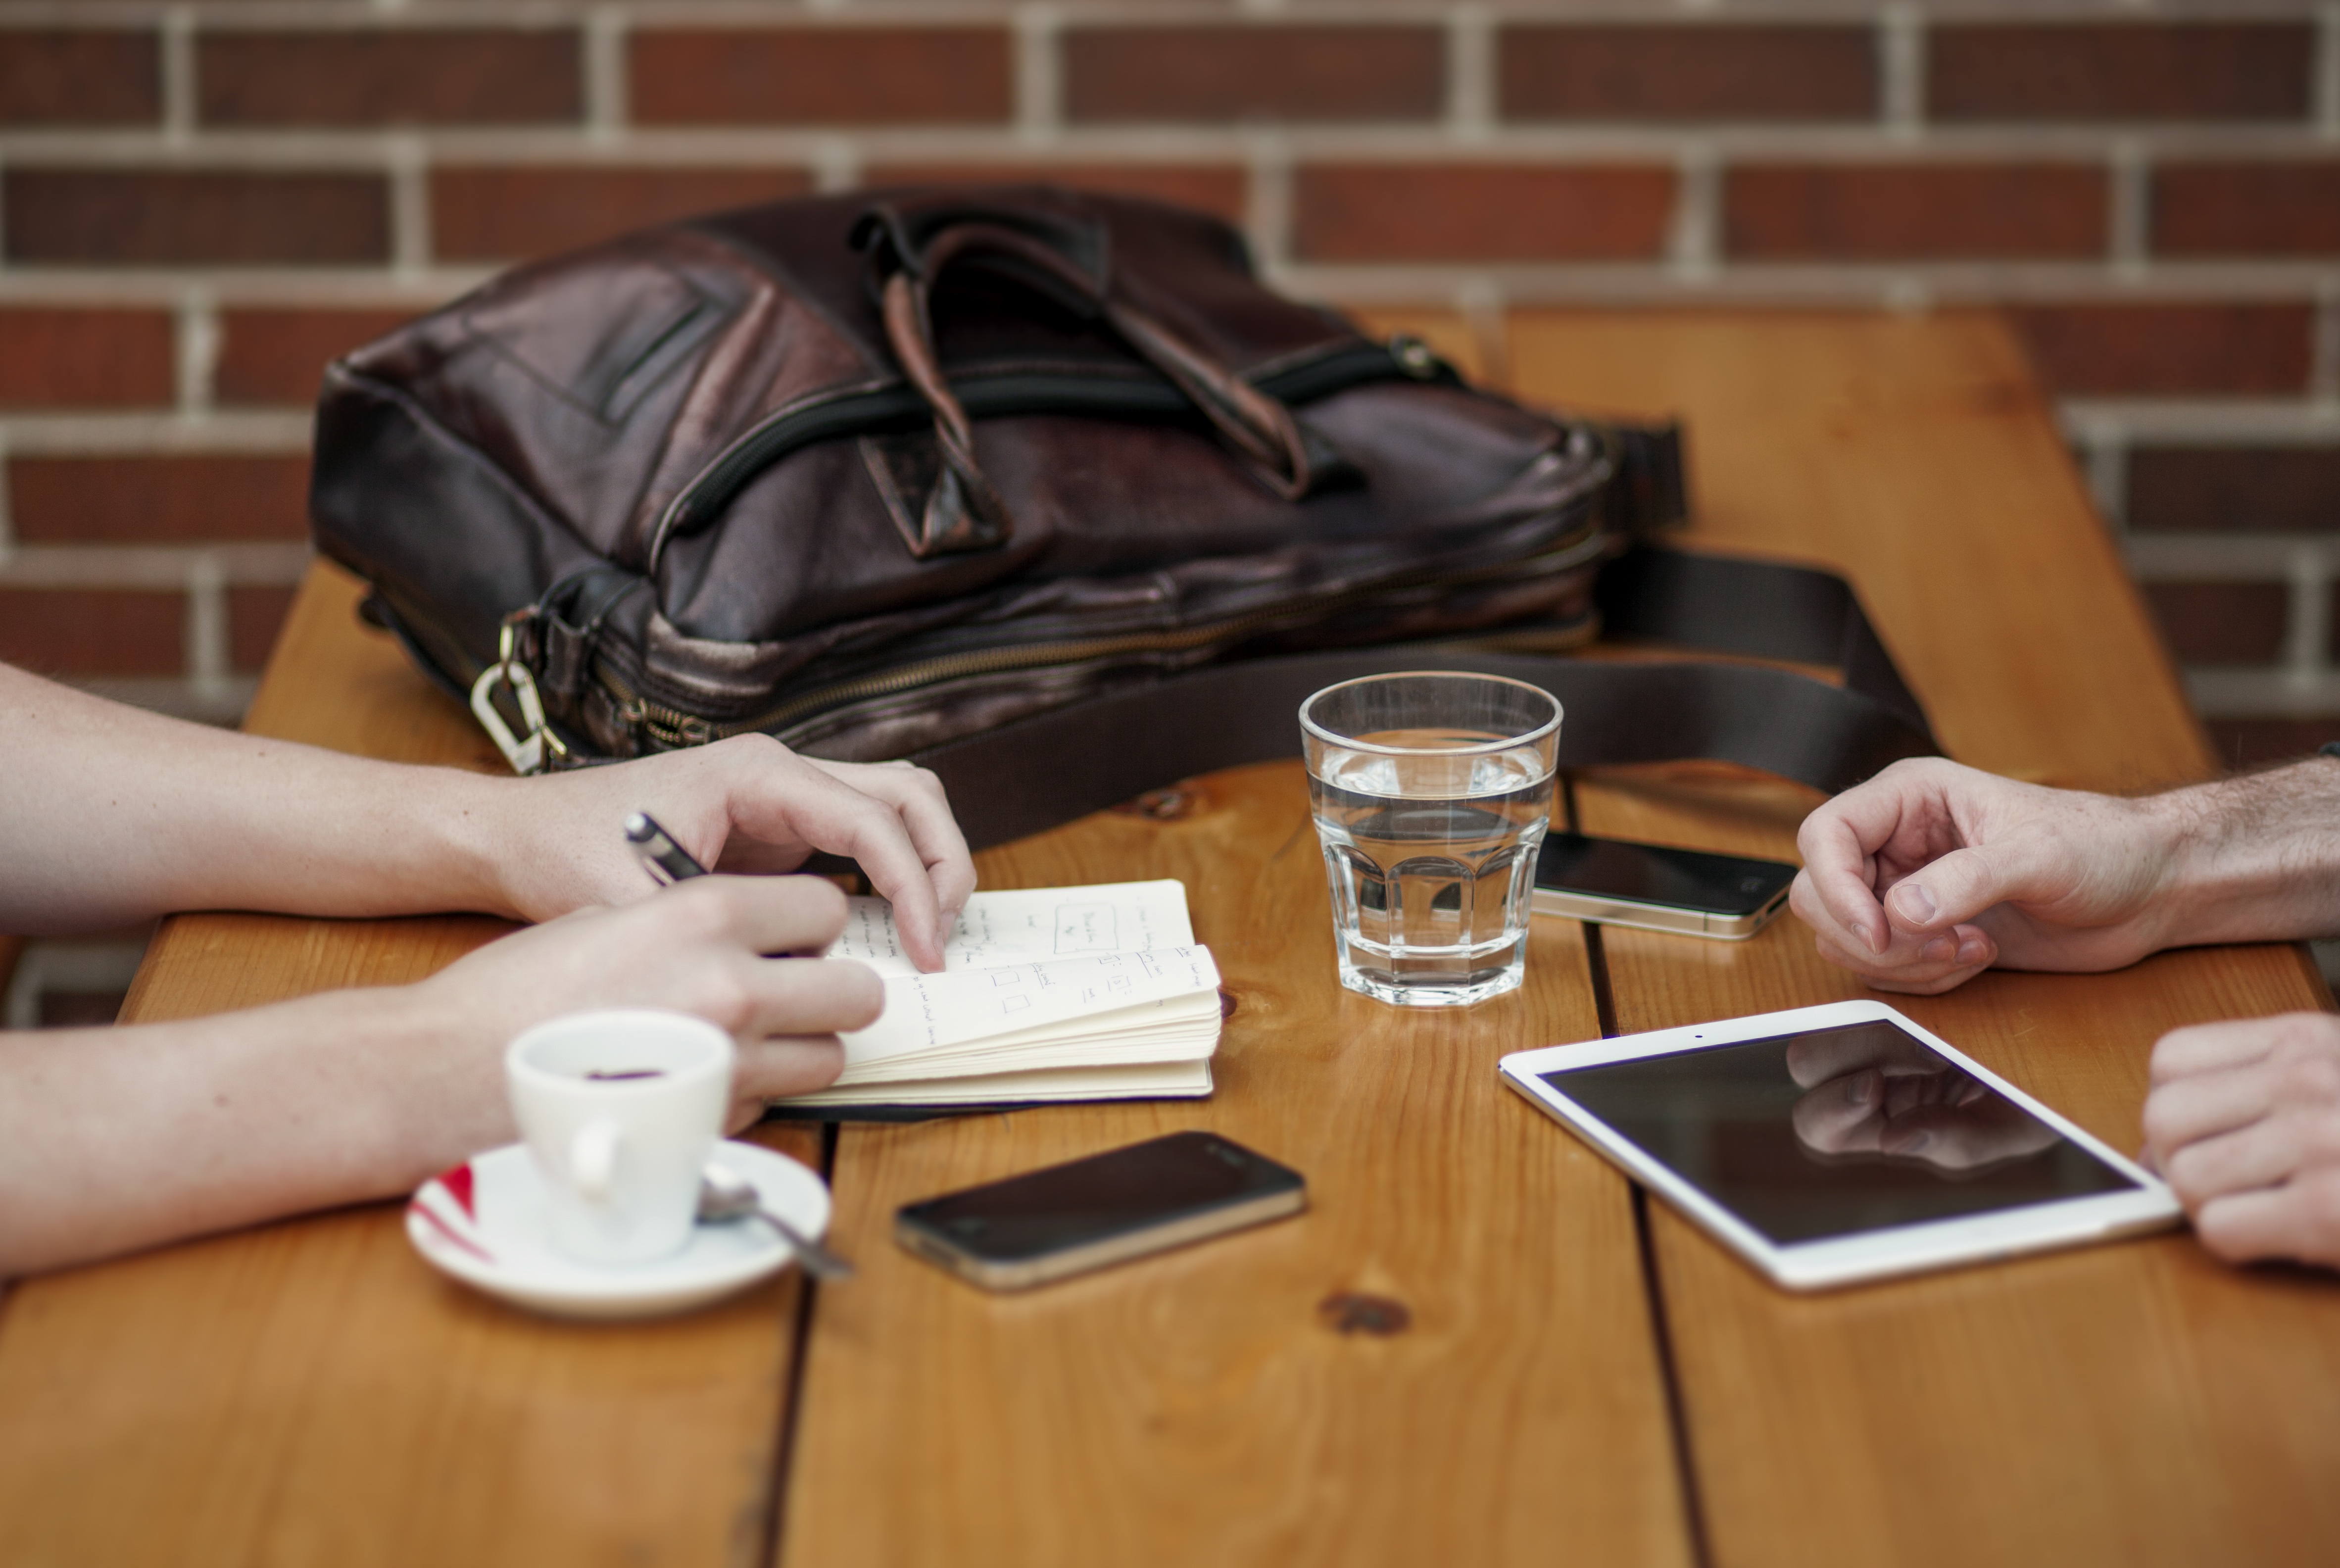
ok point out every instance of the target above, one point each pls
(109, 816)
(2256, 857)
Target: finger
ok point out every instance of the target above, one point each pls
(761, 914)
(1833, 890)
(2265, 1154)
(1842, 1116)
(1955, 1137)
(831, 815)
(1913, 977)
(1955, 888)
(1817, 1058)
(2233, 1043)
(2300, 1220)
(808, 996)
(917, 796)
(797, 1064)
(2207, 1105)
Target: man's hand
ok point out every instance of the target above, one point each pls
(2244, 1122)
(1931, 873)
(749, 804)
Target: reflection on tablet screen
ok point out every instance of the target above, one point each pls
(1835, 1131)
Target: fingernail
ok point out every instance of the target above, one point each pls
(944, 928)
(1916, 1145)
(1917, 905)
(1972, 951)
(1941, 951)
(1857, 1089)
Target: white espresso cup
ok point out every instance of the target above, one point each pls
(620, 1109)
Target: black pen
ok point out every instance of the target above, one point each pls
(667, 861)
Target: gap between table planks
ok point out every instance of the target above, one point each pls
(2136, 1403)
(310, 1392)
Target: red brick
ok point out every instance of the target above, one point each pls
(2121, 71)
(158, 500)
(822, 77)
(93, 631)
(1213, 189)
(2255, 742)
(2220, 622)
(2170, 350)
(1216, 73)
(113, 77)
(151, 217)
(1688, 72)
(254, 617)
(1480, 212)
(2247, 208)
(1896, 212)
(71, 358)
(406, 77)
(2235, 490)
(494, 214)
(280, 356)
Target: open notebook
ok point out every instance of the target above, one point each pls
(1046, 993)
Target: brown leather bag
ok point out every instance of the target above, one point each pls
(883, 473)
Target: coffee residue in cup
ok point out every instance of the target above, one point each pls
(629, 1073)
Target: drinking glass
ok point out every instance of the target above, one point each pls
(1431, 793)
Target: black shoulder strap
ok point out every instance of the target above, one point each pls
(1053, 767)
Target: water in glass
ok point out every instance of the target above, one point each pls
(1431, 859)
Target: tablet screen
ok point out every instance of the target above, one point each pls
(1832, 1132)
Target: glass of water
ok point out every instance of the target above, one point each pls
(1430, 793)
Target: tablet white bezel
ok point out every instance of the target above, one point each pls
(1869, 1255)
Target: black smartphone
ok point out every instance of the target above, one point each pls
(1088, 1213)
(1658, 886)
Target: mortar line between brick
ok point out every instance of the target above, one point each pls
(206, 625)
(7, 520)
(2324, 371)
(178, 73)
(2129, 212)
(1901, 69)
(1268, 207)
(409, 205)
(604, 64)
(2307, 630)
(196, 339)
(1469, 73)
(1039, 75)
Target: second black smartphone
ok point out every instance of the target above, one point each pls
(1658, 886)
(1068, 1218)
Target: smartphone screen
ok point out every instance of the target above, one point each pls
(1064, 1218)
(1657, 874)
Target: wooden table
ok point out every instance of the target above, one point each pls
(1545, 1367)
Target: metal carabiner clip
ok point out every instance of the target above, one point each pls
(527, 754)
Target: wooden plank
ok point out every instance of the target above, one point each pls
(311, 1392)
(1202, 1407)
(2136, 1403)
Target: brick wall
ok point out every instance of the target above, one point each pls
(200, 202)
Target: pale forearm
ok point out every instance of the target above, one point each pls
(111, 1140)
(109, 816)
(2257, 858)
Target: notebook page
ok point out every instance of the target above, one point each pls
(1028, 925)
(929, 1012)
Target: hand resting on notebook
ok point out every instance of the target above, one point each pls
(1931, 873)
(115, 1139)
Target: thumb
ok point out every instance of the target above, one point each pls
(1954, 889)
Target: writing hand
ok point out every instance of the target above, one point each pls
(744, 805)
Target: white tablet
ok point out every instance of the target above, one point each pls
(1840, 1143)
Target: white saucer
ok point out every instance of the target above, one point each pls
(484, 1222)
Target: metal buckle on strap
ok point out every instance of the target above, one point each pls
(527, 754)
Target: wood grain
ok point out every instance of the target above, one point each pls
(1199, 1407)
(2136, 1403)
(311, 1392)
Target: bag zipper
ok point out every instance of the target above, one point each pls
(673, 728)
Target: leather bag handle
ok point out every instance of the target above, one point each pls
(911, 246)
